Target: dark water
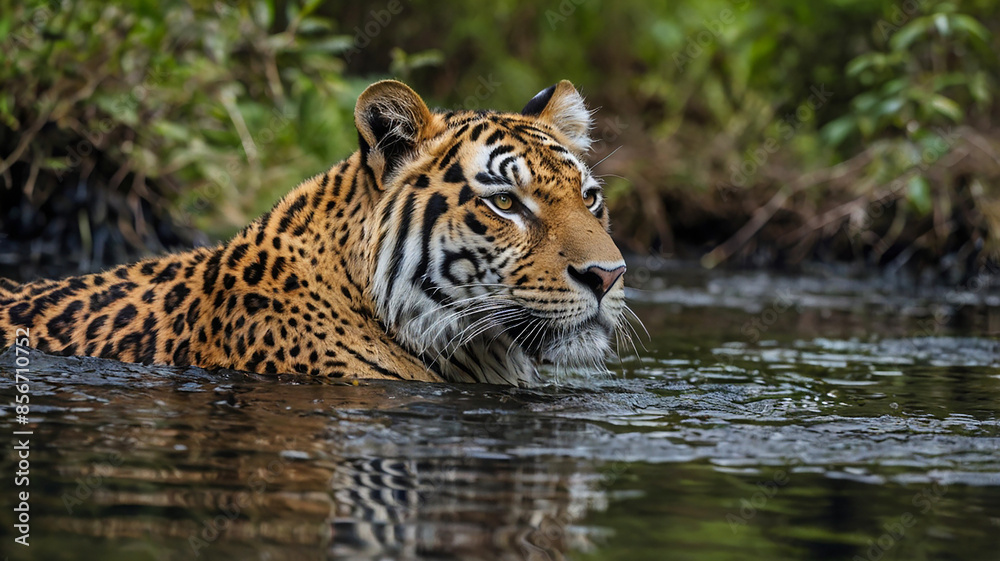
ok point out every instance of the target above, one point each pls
(768, 418)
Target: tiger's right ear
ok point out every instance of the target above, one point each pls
(391, 119)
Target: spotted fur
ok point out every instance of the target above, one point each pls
(403, 262)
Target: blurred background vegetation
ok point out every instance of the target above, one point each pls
(861, 132)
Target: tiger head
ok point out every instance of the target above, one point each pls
(489, 248)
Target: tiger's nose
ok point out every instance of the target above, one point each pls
(597, 279)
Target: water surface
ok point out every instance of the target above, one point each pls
(767, 417)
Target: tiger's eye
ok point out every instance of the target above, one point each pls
(590, 197)
(503, 201)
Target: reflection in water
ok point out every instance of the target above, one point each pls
(251, 468)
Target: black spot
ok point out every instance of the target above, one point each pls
(255, 359)
(115, 292)
(269, 339)
(95, 325)
(255, 271)
(291, 283)
(216, 326)
(167, 274)
(19, 314)
(211, 273)
(238, 253)
(148, 296)
(175, 297)
(278, 267)
(228, 281)
(124, 317)
(255, 302)
(192, 313)
(61, 326)
(178, 324)
(422, 181)
(147, 268)
(454, 174)
(130, 342)
(181, 357)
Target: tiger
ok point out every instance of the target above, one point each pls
(452, 246)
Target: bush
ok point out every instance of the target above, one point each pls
(851, 130)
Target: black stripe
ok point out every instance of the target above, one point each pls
(477, 130)
(436, 206)
(293, 210)
(376, 367)
(449, 155)
(404, 218)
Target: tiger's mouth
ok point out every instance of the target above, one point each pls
(587, 343)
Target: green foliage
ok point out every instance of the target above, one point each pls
(215, 109)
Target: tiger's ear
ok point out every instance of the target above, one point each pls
(391, 119)
(563, 108)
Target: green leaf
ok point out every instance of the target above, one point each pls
(864, 62)
(837, 130)
(918, 193)
(971, 26)
(909, 33)
(947, 107)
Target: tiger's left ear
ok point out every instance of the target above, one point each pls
(563, 108)
(391, 119)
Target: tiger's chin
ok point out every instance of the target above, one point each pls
(584, 348)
